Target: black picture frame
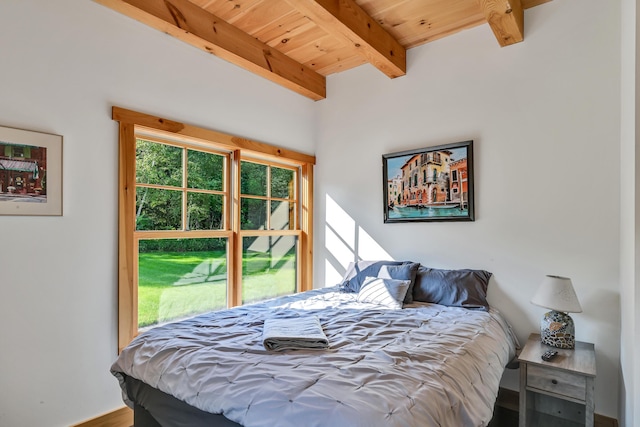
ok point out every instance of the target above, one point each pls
(429, 184)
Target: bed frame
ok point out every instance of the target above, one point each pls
(149, 401)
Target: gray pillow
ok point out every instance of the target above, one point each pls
(358, 271)
(401, 272)
(386, 292)
(454, 288)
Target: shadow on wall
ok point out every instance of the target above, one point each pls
(593, 305)
(346, 242)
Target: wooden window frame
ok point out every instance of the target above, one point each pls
(134, 125)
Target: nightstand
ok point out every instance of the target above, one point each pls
(561, 388)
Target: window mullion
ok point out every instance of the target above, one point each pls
(235, 243)
(185, 219)
(268, 192)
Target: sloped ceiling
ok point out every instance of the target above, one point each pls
(297, 43)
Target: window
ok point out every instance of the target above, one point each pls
(179, 189)
(268, 202)
(206, 221)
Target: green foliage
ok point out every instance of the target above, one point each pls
(282, 183)
(253, 181)
(158, 209)
(182, 246)
(205, 170)
(158, 164)
(205, 211)
(161, 209)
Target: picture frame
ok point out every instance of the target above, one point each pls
(30, 172)
(429, 184)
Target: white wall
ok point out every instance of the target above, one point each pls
(545, 119)
(63, 65)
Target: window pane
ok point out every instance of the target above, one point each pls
(179, 278)
(268, 267)
(253, 214)
(158, 164)
(204, 211)
(253, 179)
(158, 209)
(282, 215)
(282, 183)
(205, 171)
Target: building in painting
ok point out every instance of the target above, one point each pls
(394, 191)
(425, 179)
(459, 183)
(22, 169)
(410, 180)
(435, 177)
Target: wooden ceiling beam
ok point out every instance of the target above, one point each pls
(349, 22)
(506, 19)
(189, 23)
(526, 4)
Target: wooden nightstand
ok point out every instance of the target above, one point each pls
(561, 388)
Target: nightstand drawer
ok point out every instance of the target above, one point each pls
(559, 382)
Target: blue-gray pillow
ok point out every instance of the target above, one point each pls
(358, 271)
(388, 293)
(401, 272)
(455, 288)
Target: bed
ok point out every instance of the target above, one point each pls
(435, 358)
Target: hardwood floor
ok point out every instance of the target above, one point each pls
(505, 414)
(122, 417)
(503, 417)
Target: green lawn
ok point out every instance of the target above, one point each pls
(175, 285)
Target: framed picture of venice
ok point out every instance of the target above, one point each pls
(30, 172)
(429, 184)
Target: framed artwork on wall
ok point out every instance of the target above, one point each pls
(429, 184)
(30, 172)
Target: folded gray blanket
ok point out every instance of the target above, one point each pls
(303, 333)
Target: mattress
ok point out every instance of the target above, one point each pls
(425, 364)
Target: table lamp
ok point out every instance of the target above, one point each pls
(557, 328)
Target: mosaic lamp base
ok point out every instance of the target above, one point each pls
(557, 330)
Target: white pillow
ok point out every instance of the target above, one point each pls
(386, 292)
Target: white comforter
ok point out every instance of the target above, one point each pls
(424, 365)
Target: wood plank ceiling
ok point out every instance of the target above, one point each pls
(297, 43)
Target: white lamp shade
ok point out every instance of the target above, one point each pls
(556, 293)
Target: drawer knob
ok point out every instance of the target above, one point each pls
(554, 382)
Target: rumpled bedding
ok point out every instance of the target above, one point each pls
(424, 365)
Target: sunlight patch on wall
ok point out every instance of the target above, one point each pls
(337, 247)
(341, 222)
(368, 248)
(331, 275)
(345, 242)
